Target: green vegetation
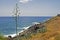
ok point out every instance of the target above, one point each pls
(2, 37)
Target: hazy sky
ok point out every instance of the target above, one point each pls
(30, 7)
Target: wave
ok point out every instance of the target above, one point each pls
(26, 27)
(33, 23)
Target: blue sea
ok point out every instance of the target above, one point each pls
(7, 24)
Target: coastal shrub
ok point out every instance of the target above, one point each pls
(42, 30)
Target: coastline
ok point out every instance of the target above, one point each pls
(24, 28)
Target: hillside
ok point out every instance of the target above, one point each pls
(53, 27)
(49, 30)
(53, 24)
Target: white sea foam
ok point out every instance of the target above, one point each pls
(12, 35)
(35, 23)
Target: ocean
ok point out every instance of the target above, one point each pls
(7, 24)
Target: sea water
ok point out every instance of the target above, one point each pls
(8, 24)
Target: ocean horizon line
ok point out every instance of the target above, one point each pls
(27, 16)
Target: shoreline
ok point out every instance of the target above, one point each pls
(24, 28)
(13, 35)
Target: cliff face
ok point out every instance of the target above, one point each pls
(49, 30)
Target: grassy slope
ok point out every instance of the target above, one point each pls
(53, 24)
(53, 30)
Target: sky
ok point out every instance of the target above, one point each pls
(30, 7)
